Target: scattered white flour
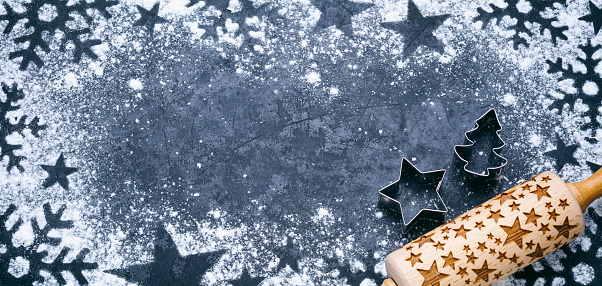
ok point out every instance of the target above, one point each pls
(590, 88)
(583, 273)
(18, 266)
(71, 80)
(135, 84)
(535, 140)
(313, 78)
(508, 99)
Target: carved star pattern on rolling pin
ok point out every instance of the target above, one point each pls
(461, 231)
(541, 192)
(565, 228)
(439, 245)
(532, 217)
(515, 233)
(432, 276)
(538, 253)
(483, 272)
(526, 187)
(471, 258)
(462, 272)
(507, 195)
(563, 203)
(553, 215)
(450, 260)
(495, 215)
(414, 258)
(544, 228)
(425, 239)
(514, 206)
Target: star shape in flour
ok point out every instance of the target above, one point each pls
(563, 154)
(149, 18)
(594, 16)
(338, 13)
(168, 266)
(417, 30)
(58, 173)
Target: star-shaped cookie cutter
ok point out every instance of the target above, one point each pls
(488, 122)
(413, 182)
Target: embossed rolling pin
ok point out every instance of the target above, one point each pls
(498, 237)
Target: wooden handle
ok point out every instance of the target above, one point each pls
(587, 190)
(498, 237)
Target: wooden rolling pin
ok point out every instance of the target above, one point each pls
(498, 237)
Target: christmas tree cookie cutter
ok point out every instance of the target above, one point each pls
(480, 155)
(415, 186)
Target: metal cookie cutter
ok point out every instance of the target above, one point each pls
(480, 156)
(413, 188)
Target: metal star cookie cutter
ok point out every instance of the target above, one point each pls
(486, 126)
(413, 184)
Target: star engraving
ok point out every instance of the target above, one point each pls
(495, 215)
(541, 192)
(439, 245)
(465, 217)
(445, 229)
(482, 246)
(503, 197)
(501, 256)
(466, 248)
(553, 215)
(414, 258)
(526, 187)
(529, 245)
(565, 228)
(532, 217)
(450, 260)
(417, 30)
(515, 233)
(544, 228)
(545, 179)
(479, 225)
(462, 272)
(513, 259)
(487, 206)
(461, 231)
(483, 272)
(58, 173)
(471, 258)
(432, 276)
(425, 239)
(498, 241)
(563, 203)
(549, 205)
(514, 206)
(538, 253)
(498, 276)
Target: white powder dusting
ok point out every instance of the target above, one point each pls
(508, 99)
(135, 84)
(590, 88)
(583, 273)
(18, 266)
(71, 80)
(535, 140)
(313, 78)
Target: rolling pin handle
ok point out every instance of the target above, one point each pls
(588, 190)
